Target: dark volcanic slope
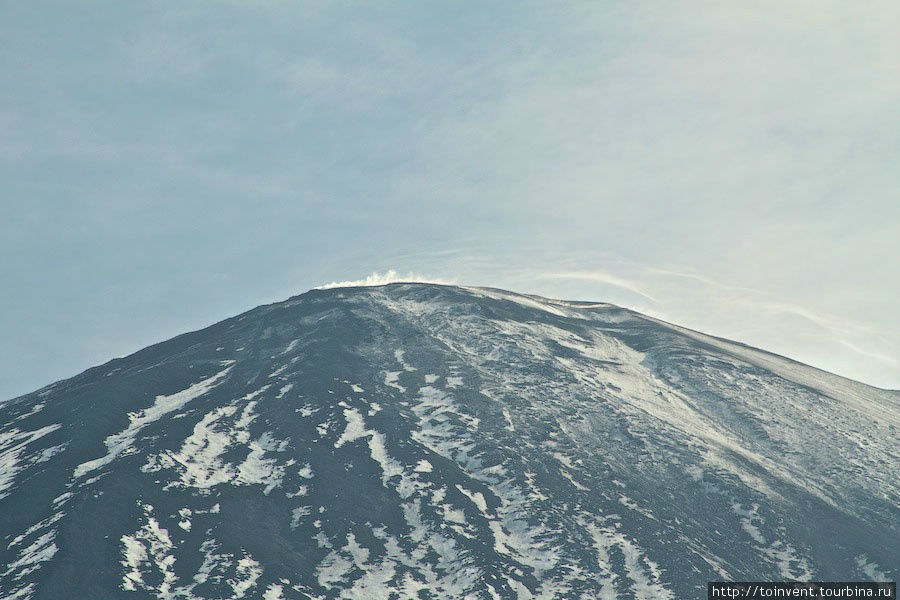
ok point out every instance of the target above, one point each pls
(421, 441)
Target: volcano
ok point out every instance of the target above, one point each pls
(431, 441)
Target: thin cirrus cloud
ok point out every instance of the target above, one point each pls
(839, 343)
(600, 277)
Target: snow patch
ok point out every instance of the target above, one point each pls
(200, 461)
(120, 443)
(390, 379)
(12, 445)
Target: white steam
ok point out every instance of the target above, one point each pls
(390, 276)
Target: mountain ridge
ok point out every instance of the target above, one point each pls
(511, 294)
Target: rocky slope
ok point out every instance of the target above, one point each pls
(425, 441)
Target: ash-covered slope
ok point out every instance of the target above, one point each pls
(423, 441)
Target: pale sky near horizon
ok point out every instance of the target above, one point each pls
(730, 167)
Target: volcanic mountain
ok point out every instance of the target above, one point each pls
(430, 441)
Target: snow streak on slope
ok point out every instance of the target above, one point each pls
(200, 459)
(416, 441)
(162, 406)
(13, 443)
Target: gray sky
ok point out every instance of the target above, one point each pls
(732, 167)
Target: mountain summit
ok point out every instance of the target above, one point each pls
(430, 441)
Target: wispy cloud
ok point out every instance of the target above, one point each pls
(600, 277)
(883, 358)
